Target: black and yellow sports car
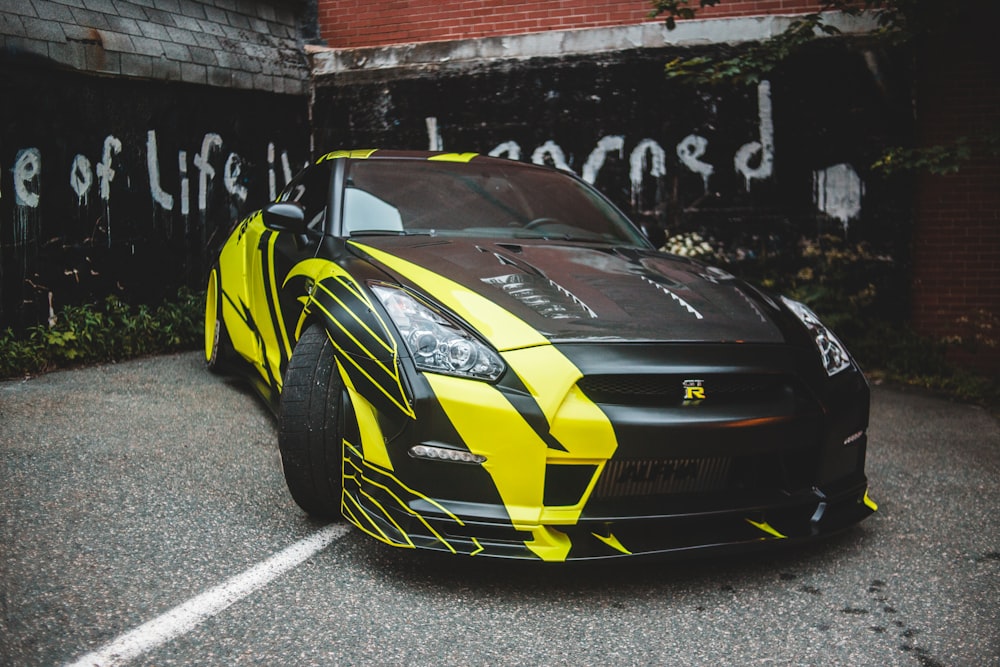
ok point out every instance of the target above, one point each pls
(483, 356)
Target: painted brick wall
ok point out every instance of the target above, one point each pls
(360, 23)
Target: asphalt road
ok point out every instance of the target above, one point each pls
(140, 504)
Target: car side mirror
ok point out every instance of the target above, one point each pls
(285, 217)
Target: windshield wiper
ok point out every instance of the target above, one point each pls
(563, 237)
(386, 232)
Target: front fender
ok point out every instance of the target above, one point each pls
(366, 344)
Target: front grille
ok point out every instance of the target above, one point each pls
(626, 478)
(668, 390)
(778, 471)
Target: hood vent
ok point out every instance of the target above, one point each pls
(542, 295)
(684, 304)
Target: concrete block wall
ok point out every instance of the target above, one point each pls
(243, 44)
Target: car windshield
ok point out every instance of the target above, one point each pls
(485, 198)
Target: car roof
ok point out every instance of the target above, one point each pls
(434, 156)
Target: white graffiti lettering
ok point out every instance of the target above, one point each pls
(689, 151)
(164, 199)
(27, 193)
(27, 166)
(105, 173)
(552, 151)
(610, 144)
(182, 167)
(272, 186)
(509, 149)
(434, 141)
(212, 141)
(637, 164)
(81, 178)
(763, 148)
(231, 177)
(285, 167)
(27, 172)
(837, 190)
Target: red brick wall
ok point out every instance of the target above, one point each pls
(956, 247)
(359, 23)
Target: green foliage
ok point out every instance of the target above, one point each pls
(853, 287)
(108, 331)
(753, 62)
(942, 158)
(898, 21)
(677, 9)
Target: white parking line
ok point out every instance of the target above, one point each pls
(188, 615)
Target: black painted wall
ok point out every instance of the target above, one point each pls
(81, 217)
(92, 204)
(837, 105)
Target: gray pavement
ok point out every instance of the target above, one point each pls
(128, 490)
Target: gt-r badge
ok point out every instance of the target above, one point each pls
(694, 391)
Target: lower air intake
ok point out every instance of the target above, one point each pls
(625, 478)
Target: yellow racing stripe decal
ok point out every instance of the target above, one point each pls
(356, 154)
(574, 420)
(479, 547)
(501, 328)
(369, 526)
(869, 503)
(515, 455)
(387, 342)
(278, 319)
(549, 544)
(612, 542)
(767, 528)
(402, 504)
(452, 157)
(372, 440)
(269, 322)
(368, 490)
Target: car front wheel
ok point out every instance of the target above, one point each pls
(311, 418)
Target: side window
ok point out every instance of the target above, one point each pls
(311, 190)
(364, 211)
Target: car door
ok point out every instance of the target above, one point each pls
(274, 254)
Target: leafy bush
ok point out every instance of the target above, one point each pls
(109, 331)
(858, 291)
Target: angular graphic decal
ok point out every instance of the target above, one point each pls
(364, 342)
(372, 496)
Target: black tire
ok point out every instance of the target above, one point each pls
(311, 417)
(218, 348)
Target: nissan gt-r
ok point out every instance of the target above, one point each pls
(486, 357)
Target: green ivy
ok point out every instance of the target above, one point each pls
(111, 330)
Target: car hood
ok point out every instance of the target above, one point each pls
(572, 292)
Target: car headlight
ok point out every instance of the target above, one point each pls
(834, 354)
(436, 341)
